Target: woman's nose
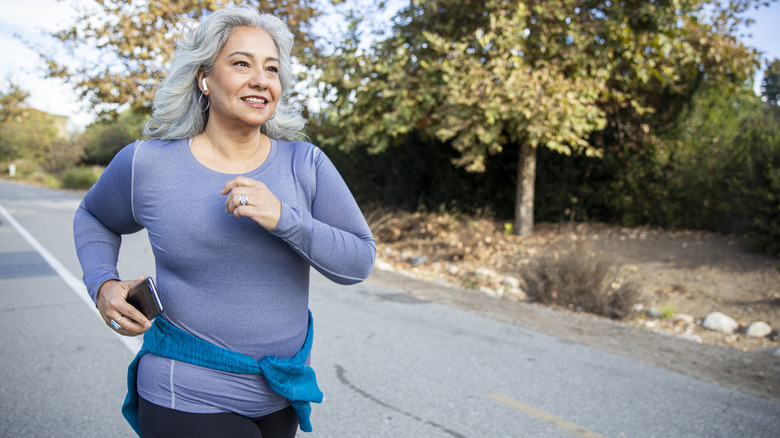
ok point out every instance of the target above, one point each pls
(259, 79)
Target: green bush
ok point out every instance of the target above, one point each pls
(757, 192)
(81, 177)
(725, 170)
(44, 179)
(24, 168)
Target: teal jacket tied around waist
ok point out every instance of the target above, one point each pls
(290, 378)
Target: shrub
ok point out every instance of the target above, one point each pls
(81, 177)
(43, 179)
(756, 192)
(24, 168)
(583, 281)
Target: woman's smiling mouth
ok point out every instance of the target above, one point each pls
(258, 100)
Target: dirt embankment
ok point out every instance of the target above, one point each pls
(695, 273)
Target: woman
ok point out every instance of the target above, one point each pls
(236, 211)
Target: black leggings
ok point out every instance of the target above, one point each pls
(157, 421)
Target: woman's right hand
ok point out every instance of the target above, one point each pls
(113, 306)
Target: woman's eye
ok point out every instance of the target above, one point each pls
(273, 69)
(241, 64)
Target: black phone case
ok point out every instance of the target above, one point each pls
(144, 298)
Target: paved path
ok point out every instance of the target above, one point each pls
(390, 364)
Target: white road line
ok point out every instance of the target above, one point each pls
(76, 285)
(567, 426)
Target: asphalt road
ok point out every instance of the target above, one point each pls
(389, 364)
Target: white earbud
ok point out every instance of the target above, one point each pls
(205, 87)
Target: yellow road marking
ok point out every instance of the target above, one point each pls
(544, 416)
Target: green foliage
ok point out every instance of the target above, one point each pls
(508, 229)
(574, 77)
(13, 103)
(418, 174)
(24, 168)
(714, 170)
(13, 107)
(756, 189)
(717, 170)
(668, 311)
(136, 41)
(770, 86)
(29, 133)
(103, 139)
(725, 167)
(81, 177)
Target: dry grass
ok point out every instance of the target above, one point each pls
(582, 281)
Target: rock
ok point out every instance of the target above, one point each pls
(719, 322)
(691, 337)
(683, 317)
(453, 270)
(654, 313)
(758, 329)
(418, 260)
(485, 273)
(490, 292)
(517, 294)
(510, 282)
(383, 265)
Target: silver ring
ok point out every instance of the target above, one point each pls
(243, 199)
(115, 325)
(119, 319)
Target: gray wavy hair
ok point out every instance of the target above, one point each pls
(176, 110)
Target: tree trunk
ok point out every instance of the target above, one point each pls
(524, 196)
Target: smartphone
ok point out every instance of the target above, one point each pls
(144, 298)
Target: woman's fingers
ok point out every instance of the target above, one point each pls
(250, 198)
(117, 313)
(239, 181)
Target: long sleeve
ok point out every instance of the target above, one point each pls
(103, 216)
(223, 279)
(334, 238)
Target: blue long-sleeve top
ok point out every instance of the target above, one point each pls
(223, 279)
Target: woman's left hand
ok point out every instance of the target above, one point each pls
(260, 203)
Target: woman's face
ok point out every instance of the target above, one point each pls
(244, 87)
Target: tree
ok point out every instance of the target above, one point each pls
(135, 41)
(519, 100)
(26, 132)
(770, 86)
(13, 102)
(101, 140)
(568, 75)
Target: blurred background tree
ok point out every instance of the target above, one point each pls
(103, 139)
(27, 133)
(770, 85)
(135, 41)
(13, 104)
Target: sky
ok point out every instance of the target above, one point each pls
(30, 20)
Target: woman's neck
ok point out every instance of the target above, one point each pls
(235, 153)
